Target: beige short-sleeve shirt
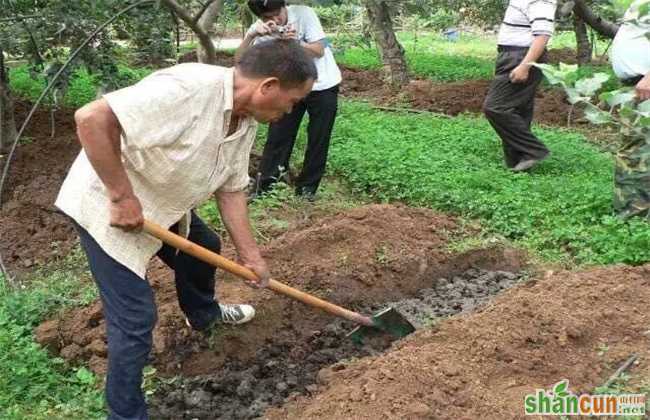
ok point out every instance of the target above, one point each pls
(176, 153)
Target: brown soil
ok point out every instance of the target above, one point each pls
(481, 365)
(32, 230)
(359, 258)
(447, 98)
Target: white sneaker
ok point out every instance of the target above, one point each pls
(236, 314)
(232, 314)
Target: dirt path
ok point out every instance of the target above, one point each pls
(454, 98)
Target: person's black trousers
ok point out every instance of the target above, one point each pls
(321, 107)
(509, 108)
(130, 312)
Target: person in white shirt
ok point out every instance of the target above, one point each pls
(158, 149)
(630, 53)
(524, 34)
(630, 57)
(276, 19)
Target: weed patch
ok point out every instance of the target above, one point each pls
(562, 210)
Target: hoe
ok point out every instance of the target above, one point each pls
(388, 321)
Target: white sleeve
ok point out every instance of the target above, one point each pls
(311, 24)
(542, 16)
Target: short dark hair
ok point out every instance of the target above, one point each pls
(281, 58)
(258, 7)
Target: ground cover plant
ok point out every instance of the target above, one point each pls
(33, 384)
(562, 211)
(432, 56)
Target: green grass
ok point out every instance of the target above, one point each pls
(444, 67)
(431, 55)
(82, 87)
(33, 385)
(561, 211)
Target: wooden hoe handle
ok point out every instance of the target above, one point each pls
(217, 260)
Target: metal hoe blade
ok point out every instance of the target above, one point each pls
(388, 321)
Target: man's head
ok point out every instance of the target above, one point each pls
(271, 77)
(269, 11)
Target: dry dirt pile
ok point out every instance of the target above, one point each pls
(579, 326)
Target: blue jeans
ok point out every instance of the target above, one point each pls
(130, 312)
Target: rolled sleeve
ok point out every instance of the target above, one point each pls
(542, 17)
(151, 111)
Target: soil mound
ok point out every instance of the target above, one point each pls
(360, 258)
(33, 231)
(576, 326)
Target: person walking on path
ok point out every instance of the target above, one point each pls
(525, 31)
(158, 149)
(301, 23)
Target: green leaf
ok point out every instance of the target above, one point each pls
(573, 96)
(590, 86)
(552, 74)
(596, 115)
(568, 68)
(85, 376)
(618, 97)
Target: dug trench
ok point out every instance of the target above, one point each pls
(366, 259)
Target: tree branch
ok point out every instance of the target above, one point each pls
(602, 26)
(204, 7)
(204, 37)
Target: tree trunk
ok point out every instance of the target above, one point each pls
(208, 22)
(7, 122)
(208, 13)
(391, 51)
(585, 48)
(602, 26)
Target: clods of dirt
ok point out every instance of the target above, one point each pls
(462, 293)
(32, 230)
(281, 371)
(579, 326)
(378, 253)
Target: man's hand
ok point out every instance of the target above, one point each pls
(126, 213)
(643, 88)
(259, 267)
(520, 73)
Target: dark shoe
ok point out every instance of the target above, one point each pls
(306, 193)
(527, 164)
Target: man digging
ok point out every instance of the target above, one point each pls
(158, 149)
(524, 34)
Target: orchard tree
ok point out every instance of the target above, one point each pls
(391, 51)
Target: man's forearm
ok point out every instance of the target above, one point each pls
(536, 49)
(315, 49)
(234, 214)
(99, 134)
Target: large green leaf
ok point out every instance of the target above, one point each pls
(590, 86)
(596, 115)
(618, 97)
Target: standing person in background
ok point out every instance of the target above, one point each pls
(525, 31)
(630, 57)
(301, 23)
